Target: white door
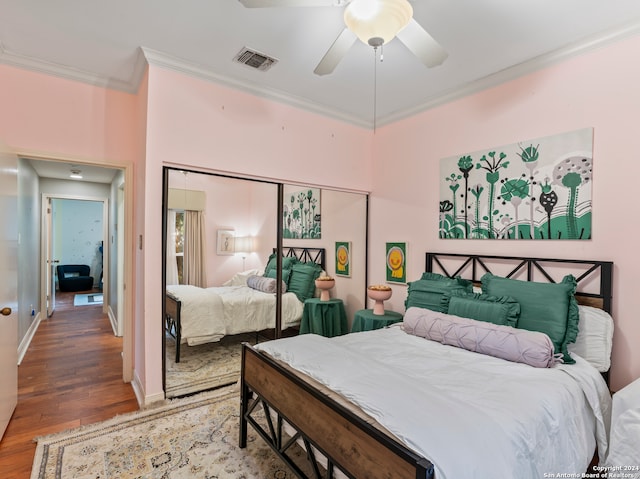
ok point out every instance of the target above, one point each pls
(51, 262)
(8, 286)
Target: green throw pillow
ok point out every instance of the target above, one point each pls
(428, 291)
(272, 273)
(550, 308)
(502, 310)
(287, 263)
(302, 281)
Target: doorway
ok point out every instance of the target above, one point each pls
(75, 232)
(50, 177)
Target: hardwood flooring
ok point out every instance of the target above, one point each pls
(70, 376)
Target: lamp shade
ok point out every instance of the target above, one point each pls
(377, 18)
(244, 244)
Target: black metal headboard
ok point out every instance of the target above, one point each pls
(306, 255)
(598, 274)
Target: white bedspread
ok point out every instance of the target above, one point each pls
(473, 416)
(624, 451)
(209, 314)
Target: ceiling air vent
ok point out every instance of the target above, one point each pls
(254, 59)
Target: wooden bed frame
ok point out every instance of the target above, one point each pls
(173, 306)
(345, 439)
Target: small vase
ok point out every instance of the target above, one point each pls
(324, 286)
(379, 297)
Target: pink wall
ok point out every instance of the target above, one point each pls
(41, 113)
(140, 321)
(204, 125)
(200, 125)
(599, 90)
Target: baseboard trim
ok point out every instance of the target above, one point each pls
(26, 341)
(138, 390)
(113, 321)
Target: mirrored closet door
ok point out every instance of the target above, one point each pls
(220, 285)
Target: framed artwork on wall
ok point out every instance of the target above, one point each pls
(343, 258)
(301, 215)
(226, 242)
(536, 189)
(396, 262)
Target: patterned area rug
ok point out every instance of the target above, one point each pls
(194, 437)
(203, 367)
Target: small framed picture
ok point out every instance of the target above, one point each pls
(226, 242)
(343, 258)
(396, 266)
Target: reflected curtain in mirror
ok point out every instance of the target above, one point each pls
(194, 249)
(172, 262)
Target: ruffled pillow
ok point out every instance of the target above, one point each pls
(428, 291)
(516, 345)
(549, 308)
(493, 309)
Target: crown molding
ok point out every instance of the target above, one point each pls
(586, 45)
(63, 71)
(149, 56)
(169, 62)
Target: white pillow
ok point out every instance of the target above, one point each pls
(595, 337)
(240, 279)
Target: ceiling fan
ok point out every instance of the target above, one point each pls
(374, 22)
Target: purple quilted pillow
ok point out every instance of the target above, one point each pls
(264, 284)
(517, 345)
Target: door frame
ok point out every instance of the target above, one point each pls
(129, 250)
(45, 244)
(120, 255)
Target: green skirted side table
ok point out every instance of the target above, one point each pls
(327, 318)
(365, 320)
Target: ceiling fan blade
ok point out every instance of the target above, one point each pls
(335, 53)
(422, 44)
(287, 3)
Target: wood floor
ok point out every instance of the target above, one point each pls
(70, 376)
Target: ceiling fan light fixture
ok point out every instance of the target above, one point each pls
(377, 18)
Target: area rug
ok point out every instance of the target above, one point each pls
(87, 299)
(193, 437)
(205, 366)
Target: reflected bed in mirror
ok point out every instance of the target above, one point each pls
(197, 316)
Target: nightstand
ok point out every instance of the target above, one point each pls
(365, 320)
(327, 318)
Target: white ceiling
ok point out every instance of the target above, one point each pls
(61, 170)
(488, 41)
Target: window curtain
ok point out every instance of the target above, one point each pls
(172, 262)
(194, 270)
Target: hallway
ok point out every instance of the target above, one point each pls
(70, 376)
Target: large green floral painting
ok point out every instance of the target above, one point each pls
(534, 189)
(301, 214)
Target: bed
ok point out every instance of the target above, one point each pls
(305, 388)
(196, 315)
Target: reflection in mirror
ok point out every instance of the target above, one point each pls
(336, 221)
(220, 289)
(220, 232)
